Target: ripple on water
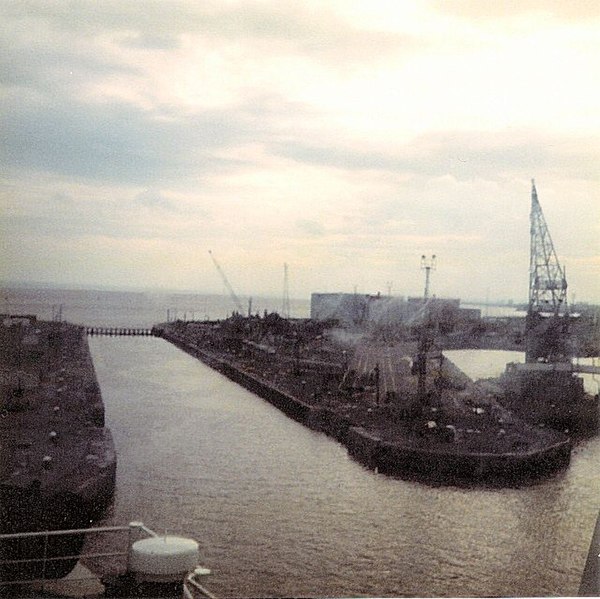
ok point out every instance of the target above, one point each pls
(281, 510)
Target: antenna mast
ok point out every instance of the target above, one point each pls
(286, 293)
(427, 265)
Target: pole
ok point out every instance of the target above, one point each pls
(427, 264)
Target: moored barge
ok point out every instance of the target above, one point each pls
(58, 462)
(453, 432)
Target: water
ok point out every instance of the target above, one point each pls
(141, 309)
(497, 311)
(481, 364)
(280, 510)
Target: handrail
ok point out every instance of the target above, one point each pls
(73, 531)
(190, 578)
(45, 559)
(192, 589)
(62, 557)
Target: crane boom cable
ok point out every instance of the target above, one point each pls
(227, 284)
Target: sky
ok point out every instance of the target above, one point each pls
(345, 138)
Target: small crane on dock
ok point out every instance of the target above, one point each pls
(234, 297)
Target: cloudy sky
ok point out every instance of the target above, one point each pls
(345, 138)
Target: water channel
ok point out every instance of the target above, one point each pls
(280, 510)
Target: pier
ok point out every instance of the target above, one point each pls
(122, 331)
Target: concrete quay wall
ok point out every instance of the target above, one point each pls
(387, 457)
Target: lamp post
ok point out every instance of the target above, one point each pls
(427, 264)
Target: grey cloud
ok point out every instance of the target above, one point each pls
(154, 199)
(77, 224)
(62, 200)
(462, 155)
(157, 24)
(48, 62)
(148, 215)
(114, 143)
(310, 227)
(155, 41)
(123, 143)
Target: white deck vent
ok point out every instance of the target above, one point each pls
(163, 559)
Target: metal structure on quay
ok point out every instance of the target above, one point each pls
(546, 387)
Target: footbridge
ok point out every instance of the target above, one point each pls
(122, 331)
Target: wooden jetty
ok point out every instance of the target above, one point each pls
(122, 331)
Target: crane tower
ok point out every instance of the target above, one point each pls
(547, 316)
(546, 388)
(547, 281)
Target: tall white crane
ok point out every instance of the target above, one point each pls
(232, 293)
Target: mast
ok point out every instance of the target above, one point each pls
(285, 308)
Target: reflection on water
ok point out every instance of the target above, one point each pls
(281, 510)
(480, 364)
(485, 363)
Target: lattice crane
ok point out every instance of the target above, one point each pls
(545, 389)
(546, 315)
(547, 281)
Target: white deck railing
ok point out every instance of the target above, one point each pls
(135, 530)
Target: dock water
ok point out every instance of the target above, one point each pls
(280, 509)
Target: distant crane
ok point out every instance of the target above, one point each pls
(232, 294)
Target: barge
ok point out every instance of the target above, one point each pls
(453, 432)
(58, 462)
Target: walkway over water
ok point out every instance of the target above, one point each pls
(122, 331)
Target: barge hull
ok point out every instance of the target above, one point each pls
(393, 458)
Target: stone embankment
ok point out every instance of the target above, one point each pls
(383, 443)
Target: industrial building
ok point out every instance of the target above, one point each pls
(353, 309)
